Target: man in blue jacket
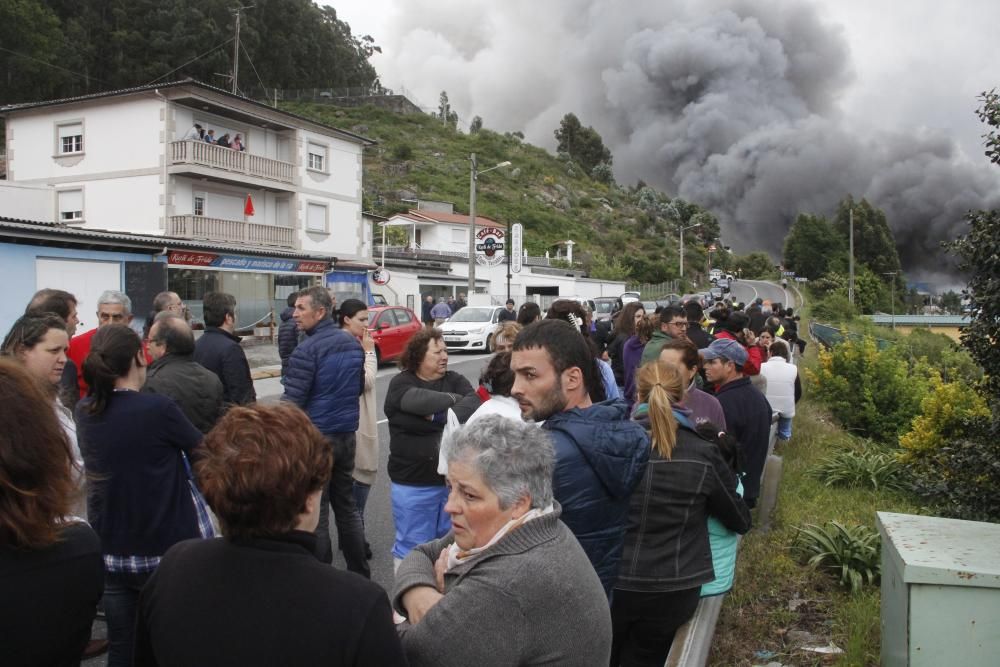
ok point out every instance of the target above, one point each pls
(600, 453)
(325, 377)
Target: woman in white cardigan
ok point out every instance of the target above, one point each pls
(783, 388)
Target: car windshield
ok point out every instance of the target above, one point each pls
(604, 307)
(471, 314)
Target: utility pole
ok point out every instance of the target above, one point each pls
(236, 50)
(892, 297)
(850, 283)
(472, 225)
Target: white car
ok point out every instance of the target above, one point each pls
(471, 328)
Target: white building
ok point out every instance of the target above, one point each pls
(127, 161)
(434, 262)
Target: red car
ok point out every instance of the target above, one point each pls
(391, 327)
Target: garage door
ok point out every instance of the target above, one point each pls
(83, 279)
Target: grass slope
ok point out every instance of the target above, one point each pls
(417, 155)
(775, 594)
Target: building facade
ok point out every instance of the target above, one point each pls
(133, 161)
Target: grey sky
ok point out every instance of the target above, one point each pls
(755, 109)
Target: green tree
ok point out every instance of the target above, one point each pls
(756, 265)
(951, 302)
(874, 245)
(444, 108)
(609, 268)
(583, 144)
(476, 125)
(811, 245)
(34, 50)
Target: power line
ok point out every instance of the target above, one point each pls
(212, 50)
(254, 68)
(42, 62)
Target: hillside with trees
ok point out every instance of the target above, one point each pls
(60, 48)
(621, 232)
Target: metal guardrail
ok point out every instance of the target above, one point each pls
(828, 335)
(693, 641)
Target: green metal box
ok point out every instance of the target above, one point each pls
(940, 591)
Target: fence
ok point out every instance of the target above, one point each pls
(651, 291)
(828, 335)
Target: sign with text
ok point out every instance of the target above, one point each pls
(268, 264)
(489, 246)
(516, 247)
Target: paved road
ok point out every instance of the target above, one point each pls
(748, 290)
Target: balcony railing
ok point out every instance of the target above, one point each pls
(218, 229)
(240, 162)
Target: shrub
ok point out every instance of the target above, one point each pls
(941, 352)
(872, 468)
(871, 392)
(850, 553)
(944, 415)
(402, 152)
(834, 308)
(964, 476)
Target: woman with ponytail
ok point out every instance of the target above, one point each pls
(139, 497)
(667, 557)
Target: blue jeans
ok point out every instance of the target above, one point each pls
(361, 491)
(784, 428)
(418, 512)
(121, 602)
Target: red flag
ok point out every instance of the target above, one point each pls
(248, 206)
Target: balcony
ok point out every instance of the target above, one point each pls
(203, 154)
(234, 231)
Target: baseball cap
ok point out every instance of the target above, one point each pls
(725, 348)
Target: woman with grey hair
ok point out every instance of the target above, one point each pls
(495, 589)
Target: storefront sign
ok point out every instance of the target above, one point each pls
(267, 264)
(489, 246)
(516, 240)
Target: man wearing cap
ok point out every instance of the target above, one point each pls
(748, 414)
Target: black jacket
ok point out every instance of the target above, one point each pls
(414, 439)
(699, 336)
(288, 337)
(425, 313)
(666, 543)
(748, 419)
(263, 601)
(219, 351)
(196, 390)
(507, 316)
(615, 348)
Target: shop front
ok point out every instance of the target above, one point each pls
(261, 285)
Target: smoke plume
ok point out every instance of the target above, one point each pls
(730, 104)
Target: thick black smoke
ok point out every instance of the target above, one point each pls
(729, 104)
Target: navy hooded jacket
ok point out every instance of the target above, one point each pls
(325, 377)
(288, 337)
(600, 457)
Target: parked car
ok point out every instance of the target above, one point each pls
(391, 327)
(379, 300)
(471, 328)
(723, 284)
(714, 275)
(649, 306)
(604, 307)
(629, 297)
(717, 294)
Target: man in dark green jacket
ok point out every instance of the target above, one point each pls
(673, 325)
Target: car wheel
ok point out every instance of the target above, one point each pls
(489, 344)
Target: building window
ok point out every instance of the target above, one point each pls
(70, 205)
(199, 205)
(316, 218)
(317, 157)
(70, 138)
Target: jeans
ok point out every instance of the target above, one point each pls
(418, 512)
(784, 428)
(121, 603)
(361, 491)
(644, 624)
(339, 494)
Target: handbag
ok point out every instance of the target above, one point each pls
(206, 520)
(450, 426)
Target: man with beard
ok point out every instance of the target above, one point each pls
(600, 453)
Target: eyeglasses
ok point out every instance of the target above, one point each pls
(678, 324)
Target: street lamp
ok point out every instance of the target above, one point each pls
(684, 229)
(892, 295)
(473, 175)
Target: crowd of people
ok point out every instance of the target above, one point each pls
(198, 133)
(572, 508)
